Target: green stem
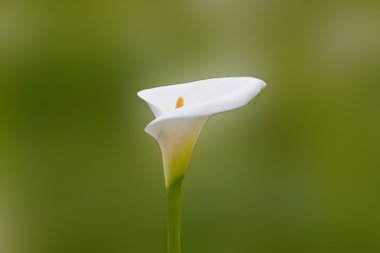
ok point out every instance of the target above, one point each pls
(173, 193)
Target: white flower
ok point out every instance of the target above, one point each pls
(182, 110)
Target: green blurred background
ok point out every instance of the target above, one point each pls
(298, 172)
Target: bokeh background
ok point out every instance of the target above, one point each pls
(297, 172)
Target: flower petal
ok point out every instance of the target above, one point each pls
(206, 97)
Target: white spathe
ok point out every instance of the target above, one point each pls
(176, 130)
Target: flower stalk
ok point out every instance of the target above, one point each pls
(173, 193)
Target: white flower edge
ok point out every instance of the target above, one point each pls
(227, 102)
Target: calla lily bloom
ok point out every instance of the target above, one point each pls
(181, 112)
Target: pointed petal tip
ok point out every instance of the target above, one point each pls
(263, 84)
(140, 94)
(258, 82)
